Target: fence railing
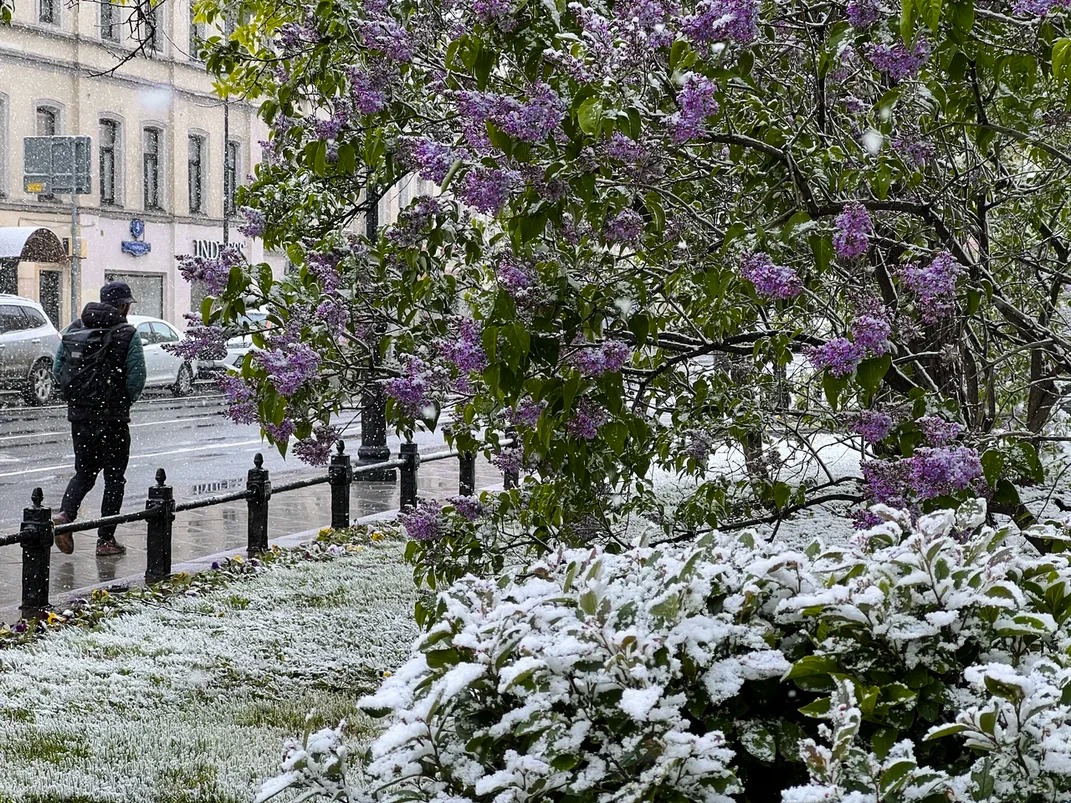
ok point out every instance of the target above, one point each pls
(37, 533)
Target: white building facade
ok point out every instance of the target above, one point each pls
(163, 169)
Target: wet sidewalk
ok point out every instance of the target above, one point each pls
(221, 528)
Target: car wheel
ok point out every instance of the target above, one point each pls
(40, 384)
(183, 382)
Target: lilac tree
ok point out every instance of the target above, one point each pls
(651, 230)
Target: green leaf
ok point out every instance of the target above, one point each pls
(944, 730)
(907, 19)
(895, 776)
(930, 11)
(833, 387)
(439, 658)
(589, 116)
(870, 373)
(813, 665)
(347, 158)
(319, 158)
(1061, 59)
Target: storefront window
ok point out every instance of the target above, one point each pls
(147, 288)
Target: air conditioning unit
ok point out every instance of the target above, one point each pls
(83, 250)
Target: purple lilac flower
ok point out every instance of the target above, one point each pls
(943, 470)
(839, 356)
(386, 36)
(423, 522)
(414, 222)
(241, 406)
(289, 364)
(366, 92)
(528, 412)
(412, 390)
(293, 35)
(214, 272)
(609, 357)
(695, 104)
(873, 426)
(465, 349)
(896, 61)
(933, 285)
(939, 432)
(1039, 8)
(468, 507)
(487, 190)
(253, 223)
(324, 266)
(916, 152)
(510, 460)
(515, 277)
(723, 20)
(492, 11)
(587, 418)
(316, 450)
(624, 149)
(625, 227)
(871, 331)
(433, 160)
(330, 127)
(770, 280)
(569, 64)
(863, 13)
(853, 229)
(866, 519)
(281, 432)
(531, 121)
(886, 481)
(334, 314)
(199, 342)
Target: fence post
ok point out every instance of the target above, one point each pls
(158, 544)
(339, 476)
(259, 486)
(512, 477)
(37, 536)
(410, 453)
(466, 482)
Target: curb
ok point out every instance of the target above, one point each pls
(12, 614)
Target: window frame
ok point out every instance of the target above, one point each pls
(155, 204)
(45, 107)
(53, 12)
(230, 176)
(202, 149)
(116, 150)
(109, 9)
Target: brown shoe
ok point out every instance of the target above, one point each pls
(110, 547)
(64, 541)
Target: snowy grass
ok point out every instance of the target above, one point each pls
(191, 700)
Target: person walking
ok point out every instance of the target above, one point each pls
(100, 370)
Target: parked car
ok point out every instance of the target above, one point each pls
(162, 368)
(237, 347)
(28, 342)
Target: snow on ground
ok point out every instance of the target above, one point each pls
(191, 700)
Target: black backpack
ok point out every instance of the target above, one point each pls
(83, 370)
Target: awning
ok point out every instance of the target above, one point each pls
(31, 244)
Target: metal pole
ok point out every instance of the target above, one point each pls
(259, 485)
(226, 154)
(340, 476)
(158, 542)
(466, 473)
(38, 536)
(410, 453)
(373, 448)
(76, 264)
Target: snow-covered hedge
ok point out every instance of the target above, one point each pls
(925, 663)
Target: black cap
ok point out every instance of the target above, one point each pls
(116, 294)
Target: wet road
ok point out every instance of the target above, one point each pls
(202, 452)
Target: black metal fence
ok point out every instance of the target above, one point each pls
(37, 533)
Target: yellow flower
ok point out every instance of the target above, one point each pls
(54, 618)
(386, 673)
(378, 536)
(237, 559)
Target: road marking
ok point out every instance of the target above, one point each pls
(135, 457)
(65, 431)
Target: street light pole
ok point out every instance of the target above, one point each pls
(76, 261)
(373, 448)
(226, 155)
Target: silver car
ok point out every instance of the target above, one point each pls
(162, 368)
(28, 342)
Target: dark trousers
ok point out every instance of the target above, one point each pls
(98, 446)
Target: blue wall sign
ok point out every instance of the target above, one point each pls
(136, 247)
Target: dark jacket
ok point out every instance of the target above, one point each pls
(125, 361)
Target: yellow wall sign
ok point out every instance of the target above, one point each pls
(35, 186)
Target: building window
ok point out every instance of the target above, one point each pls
(109, 21)
(109, 143)
(230, 177)
(151, 35)
(197, 36)
(151, 164)
(196, 173)
(46, 11)
(47, 121)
